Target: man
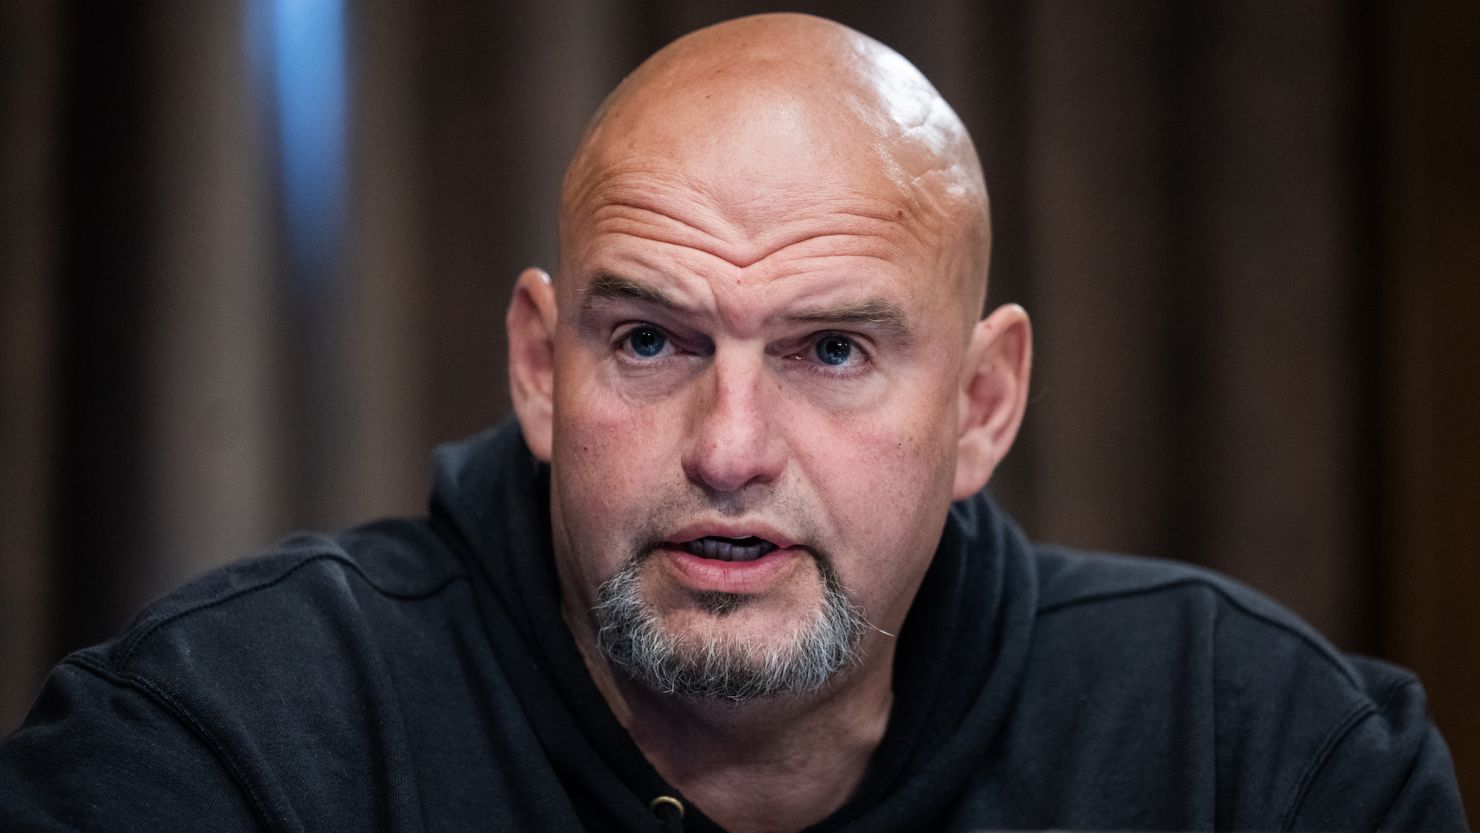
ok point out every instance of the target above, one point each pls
(731, 569)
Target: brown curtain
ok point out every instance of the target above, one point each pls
(1248, 234)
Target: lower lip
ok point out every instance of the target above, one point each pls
(740, 577)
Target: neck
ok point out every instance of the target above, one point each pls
(769, 764)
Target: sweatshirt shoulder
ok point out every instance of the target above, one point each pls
(1178, 595)
(298, 586)
(287, 679)
(1072, 577)
(1295, 732)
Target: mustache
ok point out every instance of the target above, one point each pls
(795, 516)
(678, 509)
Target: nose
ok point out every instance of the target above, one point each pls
(733, 442)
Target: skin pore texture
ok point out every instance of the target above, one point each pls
(764, 338)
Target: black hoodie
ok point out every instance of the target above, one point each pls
(416, 675)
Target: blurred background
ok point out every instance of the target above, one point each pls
(255, 257)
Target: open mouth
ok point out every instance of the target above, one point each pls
(728, 549)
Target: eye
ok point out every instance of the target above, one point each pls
(834, 355)
(834, 350)
(645, 341)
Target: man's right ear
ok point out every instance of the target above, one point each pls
(531, 328)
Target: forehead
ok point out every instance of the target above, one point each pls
(743, 148)
(742, 219)
(772, 245)
(767, 168)
(755, 194)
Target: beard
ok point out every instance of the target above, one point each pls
(632, 636)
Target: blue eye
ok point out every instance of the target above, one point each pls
(834, 350)
(647, 342)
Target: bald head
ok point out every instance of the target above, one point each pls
(782, 110)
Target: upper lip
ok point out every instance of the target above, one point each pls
(732, 529)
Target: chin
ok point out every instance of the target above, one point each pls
(726, 646)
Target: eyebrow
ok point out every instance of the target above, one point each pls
(875, 313)
(608, 287)
(878, 314)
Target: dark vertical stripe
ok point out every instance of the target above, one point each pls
(106, 231)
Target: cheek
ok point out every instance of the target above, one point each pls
(603, 480)
(612, 457)
(887, 476)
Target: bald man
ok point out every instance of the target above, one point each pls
(731, 567)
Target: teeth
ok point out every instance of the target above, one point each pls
(728, 549)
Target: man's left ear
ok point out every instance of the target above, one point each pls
(993, 395)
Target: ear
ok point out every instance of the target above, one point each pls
(994, 394)
(531, 328)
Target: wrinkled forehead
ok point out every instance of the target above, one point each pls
(747, 153)
(752, 129)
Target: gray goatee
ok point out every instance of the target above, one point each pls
(632, 638)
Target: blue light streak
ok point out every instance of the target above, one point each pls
(309, 85)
